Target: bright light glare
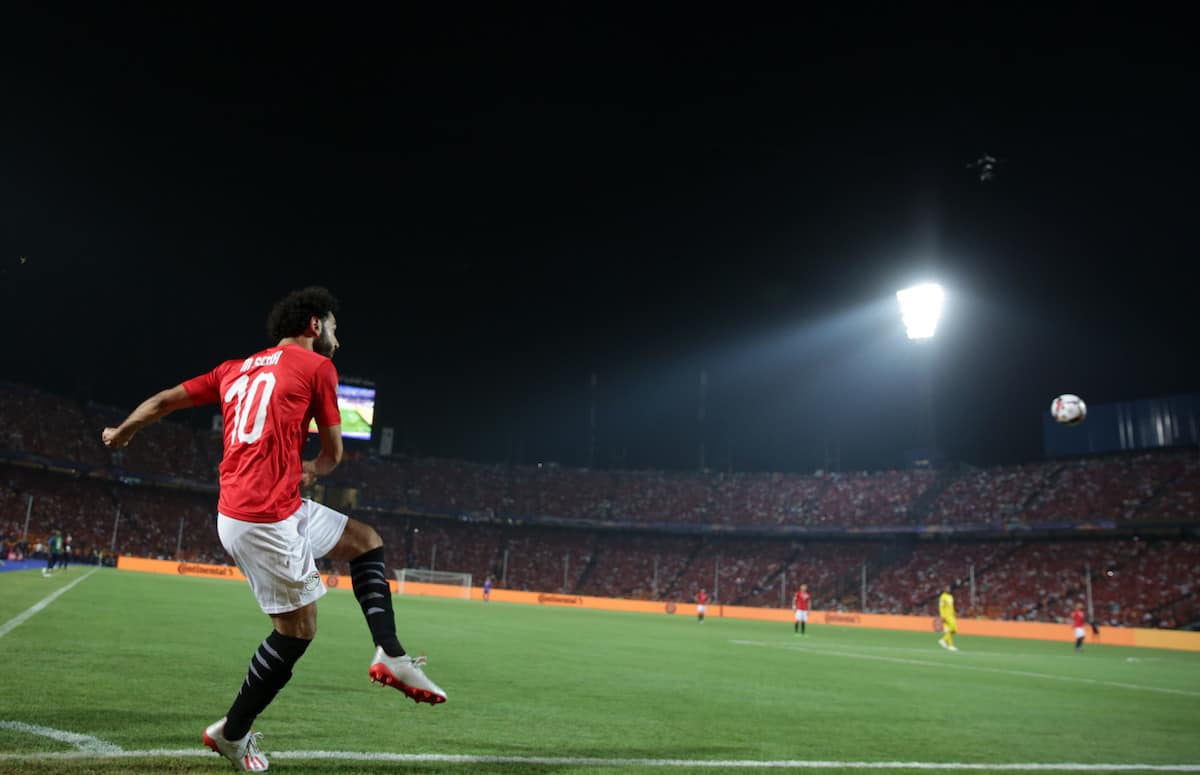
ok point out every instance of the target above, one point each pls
(920, 307)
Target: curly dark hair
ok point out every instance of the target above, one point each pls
(290, 315)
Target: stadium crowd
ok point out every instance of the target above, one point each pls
(156, 500)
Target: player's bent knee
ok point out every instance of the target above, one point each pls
(357, 539)
(301, 623)
(363, 537)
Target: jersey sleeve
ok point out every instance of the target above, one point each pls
(206, 388)
(325, 406)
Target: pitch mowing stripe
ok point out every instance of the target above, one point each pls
(20, 618)
(801, 764)
(1000, 670)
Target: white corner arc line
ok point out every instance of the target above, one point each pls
(85, 743)
(370, 756)
(973, 668)
(20, 618)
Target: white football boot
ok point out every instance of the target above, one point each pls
(405, 674)
(245, 754)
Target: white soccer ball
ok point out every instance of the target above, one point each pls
(1068, 409)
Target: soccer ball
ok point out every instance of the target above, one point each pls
(1068, 409)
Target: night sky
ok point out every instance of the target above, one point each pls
(508, 204)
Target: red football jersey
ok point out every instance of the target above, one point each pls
(802, 600)
(702, 598)
(267, 401)
(1077, 618)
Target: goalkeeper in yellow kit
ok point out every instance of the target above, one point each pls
(949, 622)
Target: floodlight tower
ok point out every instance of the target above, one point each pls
(921, 309)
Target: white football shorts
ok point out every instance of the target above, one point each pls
(1079, 633)
(801, 616)
(279, 558)
(700, 608)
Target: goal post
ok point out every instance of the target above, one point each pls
(442, 577)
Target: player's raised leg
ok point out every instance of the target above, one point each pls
(391, 665)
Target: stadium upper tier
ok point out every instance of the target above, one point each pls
(1146, 487)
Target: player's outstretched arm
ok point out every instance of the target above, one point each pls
(149, 411)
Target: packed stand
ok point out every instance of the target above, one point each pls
(727, 499)
(1179, 499)
(730, 569)
(38, 423)
(912, 584)
(763, 499)
(861, 498)
(1104, 489)
(637, 567)
(990, 496)
(1156, 587)
(1042, 581)
(83, 509)
(548, 560)
(167, 449)
(169, 525)
(832, 571)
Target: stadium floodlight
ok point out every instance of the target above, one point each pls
(920, 308)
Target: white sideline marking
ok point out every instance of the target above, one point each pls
(1000, 670)
(20, 618)
(85, 743)
(94, 748)
(417, 758)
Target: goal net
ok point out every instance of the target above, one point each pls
(445, 578)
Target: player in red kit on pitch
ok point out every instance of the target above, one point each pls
(800, 605)
(701, 605)
(273, 534)
(1078, 620)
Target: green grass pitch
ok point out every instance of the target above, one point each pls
(142, 662)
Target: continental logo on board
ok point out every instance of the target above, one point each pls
(191, 569)
(559, 600)
(842, 619)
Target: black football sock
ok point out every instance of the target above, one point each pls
(801, 628)
(369, 577)
(1079, 643)
(270, 669)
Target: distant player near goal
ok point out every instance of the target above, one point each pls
(1078, 620)
(701, 605)
(800, 605)
(274, 535)
(949, 620)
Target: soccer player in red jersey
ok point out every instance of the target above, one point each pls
(800, 606)
(1078, 620)
(273, 534)
(701, 605)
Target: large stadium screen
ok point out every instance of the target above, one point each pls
(357, 405)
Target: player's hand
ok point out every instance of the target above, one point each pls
(308, 473)
(113, 438)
